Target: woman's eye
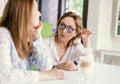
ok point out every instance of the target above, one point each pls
(63, 25)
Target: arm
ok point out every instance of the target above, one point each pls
(87, 46)
(67, 65)
(83, 50)
(86, 37)
(84, 53)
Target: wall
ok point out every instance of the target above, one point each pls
(49, 11)
(93, 20)
(101, 21)
(104, 25)
(116, 39)
(2, 4)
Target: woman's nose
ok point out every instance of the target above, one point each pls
(39, 13)
(65, 30)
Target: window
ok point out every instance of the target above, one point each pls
(118, 22)
(78, 6)
(2, 5)
(75, 6)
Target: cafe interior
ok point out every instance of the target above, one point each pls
(102, 18)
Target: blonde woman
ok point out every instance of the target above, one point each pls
(65, 45)
(19, 27)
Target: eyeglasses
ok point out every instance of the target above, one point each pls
(68, 28)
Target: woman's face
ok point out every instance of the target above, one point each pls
(35, 14)
(66, 29)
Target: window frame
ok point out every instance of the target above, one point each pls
(62, 5)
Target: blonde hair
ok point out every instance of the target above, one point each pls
(78, 23)
(17, 19)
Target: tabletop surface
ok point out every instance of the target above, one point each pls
(102, 74)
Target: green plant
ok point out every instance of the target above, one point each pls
(33, 68)
(46, 30)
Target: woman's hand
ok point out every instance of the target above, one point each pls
(52, 74)
(36, 32)
(85, 37)
(68, 65)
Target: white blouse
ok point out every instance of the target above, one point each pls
(73, 53)
(12, 68)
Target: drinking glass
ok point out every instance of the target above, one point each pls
(85, 68)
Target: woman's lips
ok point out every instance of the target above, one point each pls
(62, 35)
(36, 27)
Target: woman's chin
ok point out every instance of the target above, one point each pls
(37, 25)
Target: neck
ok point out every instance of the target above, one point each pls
(60, 43)
(61, 48)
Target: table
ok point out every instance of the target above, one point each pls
(103, 74)
(108, 53)
(106, 74)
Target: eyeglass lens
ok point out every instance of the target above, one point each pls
(68, 28)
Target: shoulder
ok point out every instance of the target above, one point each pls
(49, 40)
(5, 38)
(4, 33)
(3, 30)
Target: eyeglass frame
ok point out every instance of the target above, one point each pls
(68, 28)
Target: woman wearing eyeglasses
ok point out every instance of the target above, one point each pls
(65, 45)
